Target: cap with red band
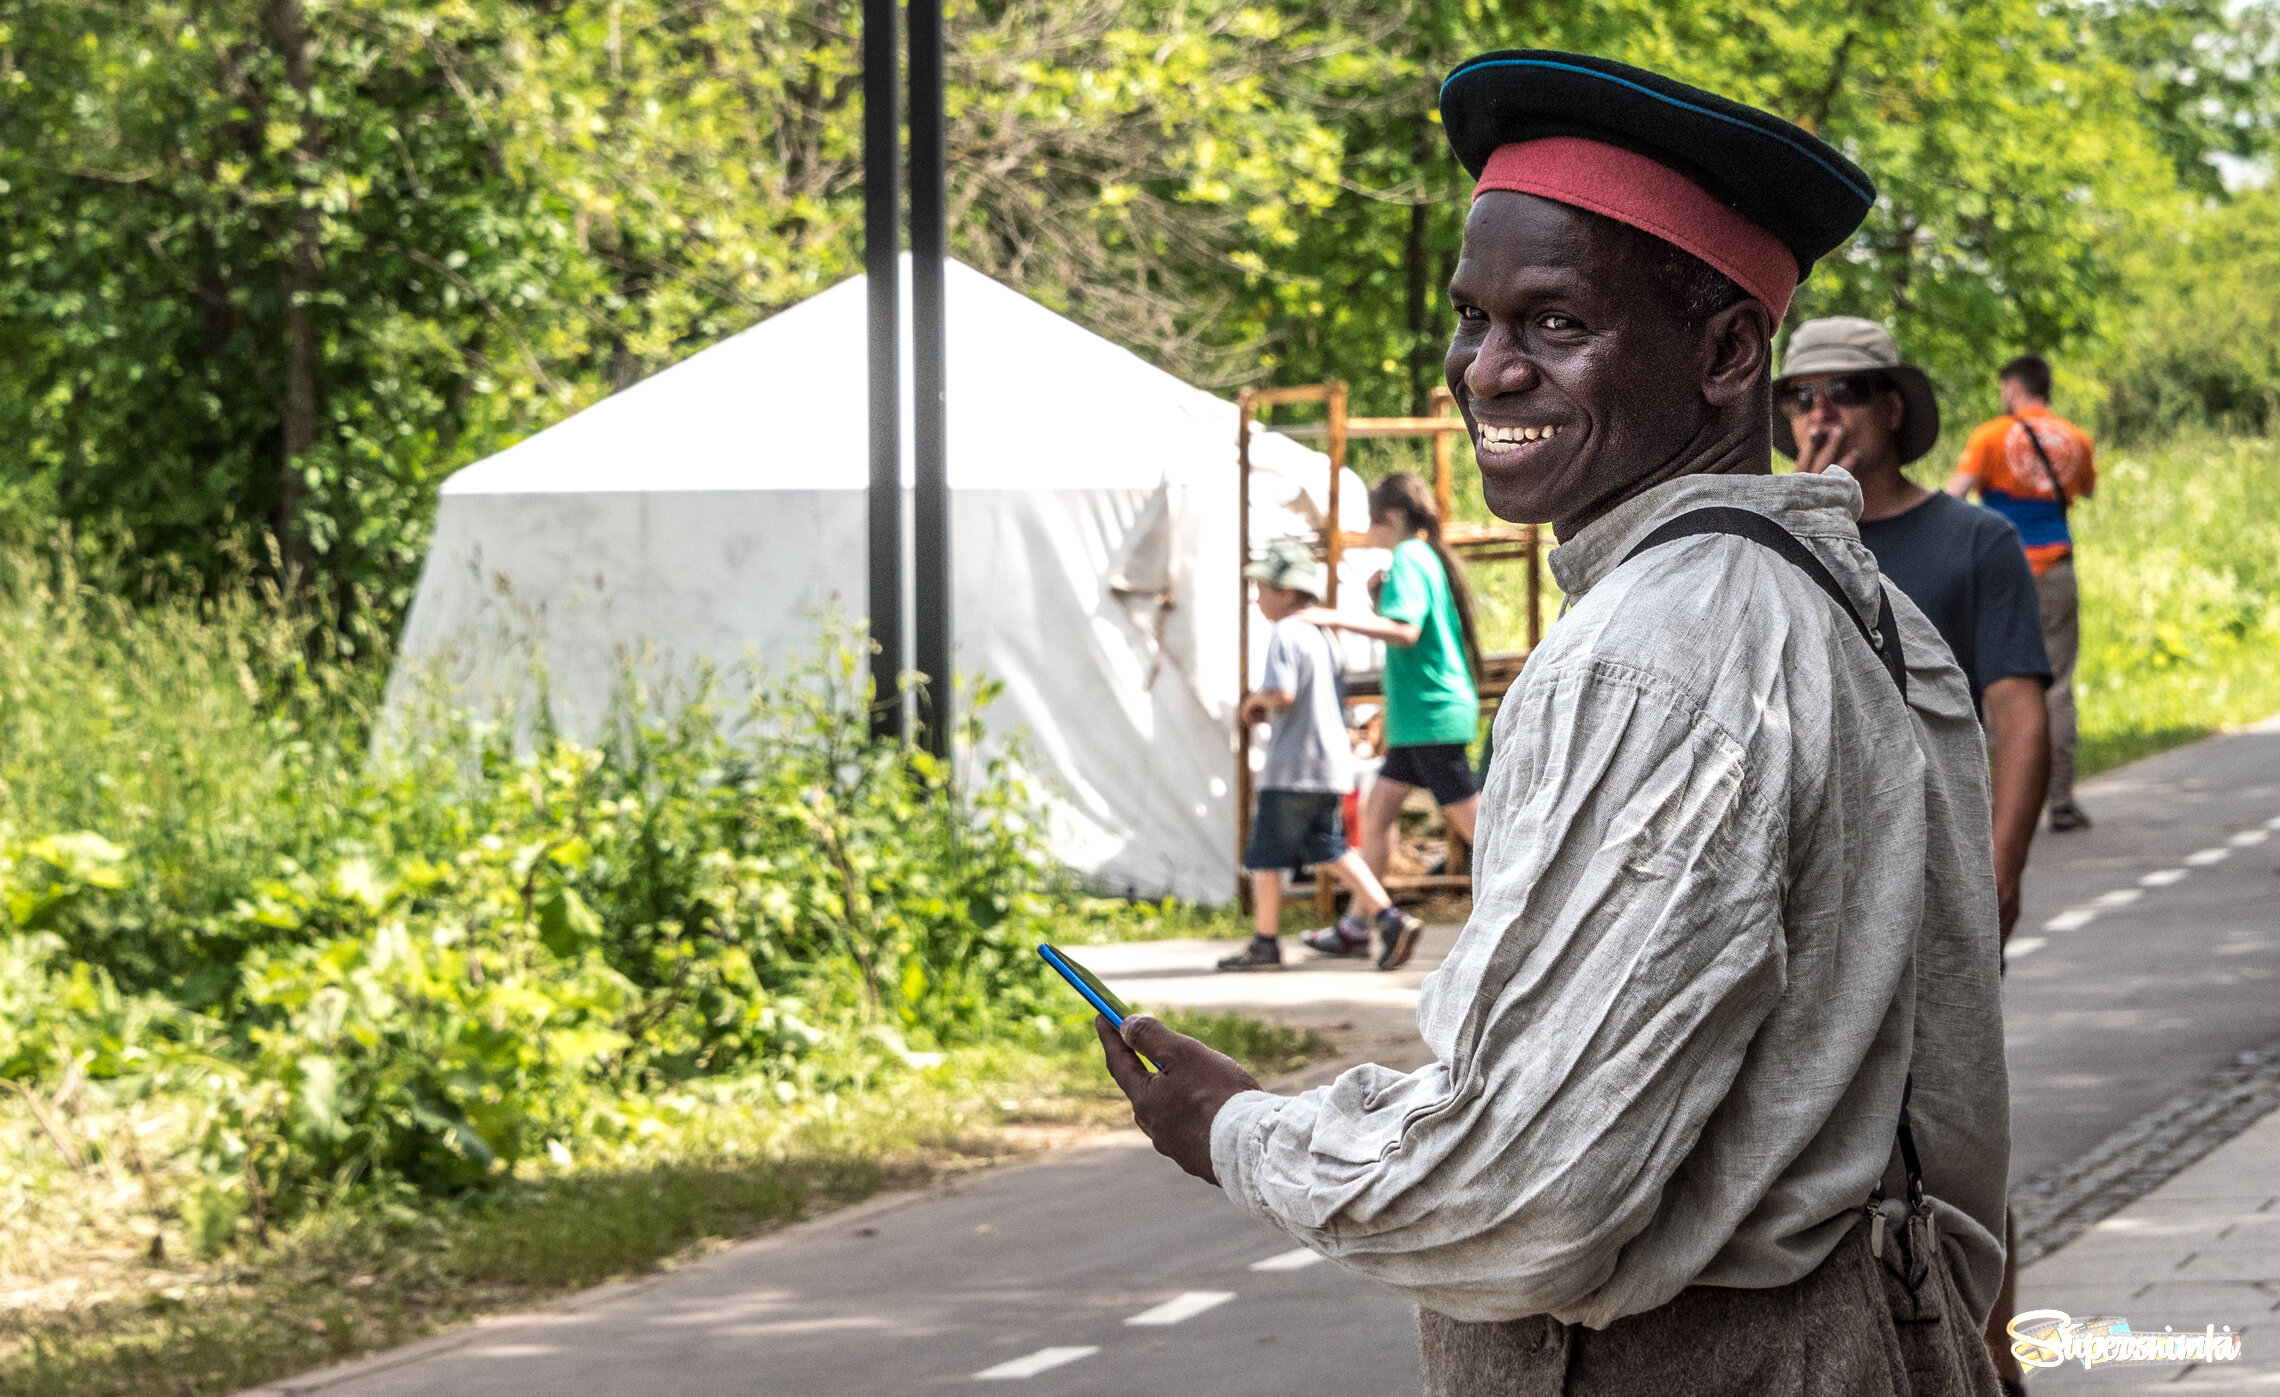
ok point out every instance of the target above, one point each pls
(1652, 197)
(1756, 197)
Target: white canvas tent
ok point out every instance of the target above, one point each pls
(717, 510)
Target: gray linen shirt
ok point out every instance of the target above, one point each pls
(1730, 892)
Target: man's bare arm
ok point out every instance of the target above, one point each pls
(2020, 727)
(1961, 484)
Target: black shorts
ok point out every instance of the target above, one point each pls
(1440, 767)
(1296, 829)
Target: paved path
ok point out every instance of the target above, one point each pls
(1043, 1269)
(2159, 954)
(2201, 1250)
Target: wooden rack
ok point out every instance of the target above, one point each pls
(1474, 543)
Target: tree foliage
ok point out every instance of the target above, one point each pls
(270, 268)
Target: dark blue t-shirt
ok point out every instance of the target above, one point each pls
(1964, 568)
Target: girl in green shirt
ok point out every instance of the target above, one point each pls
(1432, 705)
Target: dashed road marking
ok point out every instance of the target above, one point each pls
(2023, 946)
(2248, 839)
(2273, 823)
(2075, 920)
(1288, 1261)
(2162, 878)
(2119, 897)
(2206, 857)
(1180, 1307)
(1038, 1362)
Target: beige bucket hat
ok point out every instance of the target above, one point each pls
(1845, 344)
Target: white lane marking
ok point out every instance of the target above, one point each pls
(2075, 920)
(2023, 946)
(2248, 839)
(2119, 897)
(1181, 1307)
(2164, 877)
(1288, 1261)
(2273, 823)
(1037, 1362)
(2208, 856)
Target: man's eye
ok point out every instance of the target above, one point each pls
(1472, 315)
(1556, 321)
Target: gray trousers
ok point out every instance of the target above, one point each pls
(2062, 636)
(1850, 1329)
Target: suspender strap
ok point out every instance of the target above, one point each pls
(1749, 524)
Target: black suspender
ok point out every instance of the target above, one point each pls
(1885, 641)
(1749, 524)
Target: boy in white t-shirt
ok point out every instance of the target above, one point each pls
(1298, 822)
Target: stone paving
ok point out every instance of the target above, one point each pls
(2202, 1249)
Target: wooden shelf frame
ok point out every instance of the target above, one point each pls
(1474, 543)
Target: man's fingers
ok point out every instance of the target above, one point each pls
(1159, 1044)
(1124, 1065)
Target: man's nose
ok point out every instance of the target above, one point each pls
(1500, 367)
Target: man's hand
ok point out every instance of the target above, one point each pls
(1826, 447)
(1173, 1107)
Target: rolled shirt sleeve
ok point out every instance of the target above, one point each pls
(1626, 945)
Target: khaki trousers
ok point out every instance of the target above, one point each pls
(1850, 1329)
(2062, 636)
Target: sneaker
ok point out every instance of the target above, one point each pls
(1261, 954)
(1350, 937)
(1398, 932)
(2068, 817)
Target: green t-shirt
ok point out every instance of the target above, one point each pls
(1429, 694)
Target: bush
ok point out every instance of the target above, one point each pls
(2202, 345)
(321, 972)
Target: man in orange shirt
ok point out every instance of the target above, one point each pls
(2029, 465)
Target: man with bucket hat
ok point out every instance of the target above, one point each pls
(1843, 398)
(1718, 1099)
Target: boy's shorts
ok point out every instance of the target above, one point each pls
(1296, 829)
(1440, 767)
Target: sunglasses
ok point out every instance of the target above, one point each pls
(1853, 390)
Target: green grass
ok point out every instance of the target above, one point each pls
(2178, 556)
(1267, 1049)
(349, 1281)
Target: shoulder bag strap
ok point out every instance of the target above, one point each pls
(2058, 487)
(1749, 524)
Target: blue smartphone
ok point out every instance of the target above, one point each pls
(1086, 983)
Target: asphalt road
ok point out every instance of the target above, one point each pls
(1103, 1270)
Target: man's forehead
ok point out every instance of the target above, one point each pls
(1524, 233)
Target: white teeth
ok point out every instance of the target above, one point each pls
(1513, 436)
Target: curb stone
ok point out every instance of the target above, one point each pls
(2061, 1203)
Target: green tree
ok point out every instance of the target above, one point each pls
(263, 264)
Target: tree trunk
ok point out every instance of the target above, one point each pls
(299, 281)
(1417, 263)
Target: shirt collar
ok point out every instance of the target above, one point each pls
(1807, 505)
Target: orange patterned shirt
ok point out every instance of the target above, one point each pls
(2013, 481)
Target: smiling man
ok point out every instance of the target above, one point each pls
(1732, 900)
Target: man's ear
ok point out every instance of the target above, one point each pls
(1739, 345)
